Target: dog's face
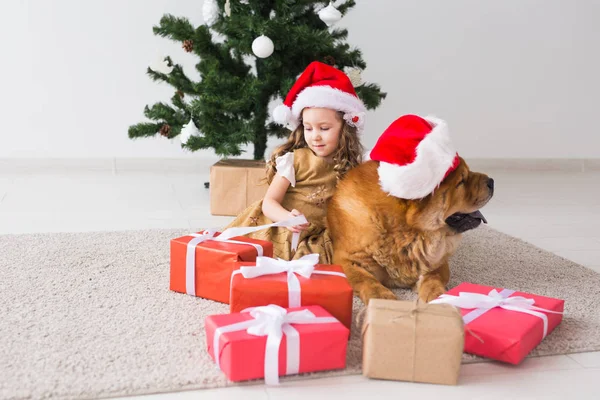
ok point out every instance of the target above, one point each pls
(456, 203)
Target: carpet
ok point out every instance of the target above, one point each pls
(90, 315)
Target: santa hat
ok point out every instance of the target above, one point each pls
(324, 86)
(415, 155)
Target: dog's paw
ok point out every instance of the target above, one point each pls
(386, 294)
(378, 293)
(431, 294)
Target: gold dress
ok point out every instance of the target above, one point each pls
(314, 184)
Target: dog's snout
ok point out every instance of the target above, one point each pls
(490, 183)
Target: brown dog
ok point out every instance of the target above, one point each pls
(383, 241)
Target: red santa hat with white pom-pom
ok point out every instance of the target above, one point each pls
(323, 86)
(415, 156)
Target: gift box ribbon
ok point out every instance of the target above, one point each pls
(482, 303)
(274, 321)
(225, 236)
(304, 266)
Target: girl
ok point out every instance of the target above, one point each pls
(325, 116)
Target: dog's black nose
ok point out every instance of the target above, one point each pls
(490, 183)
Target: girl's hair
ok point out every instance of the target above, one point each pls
(347, 155)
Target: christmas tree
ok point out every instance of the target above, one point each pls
(251, 52)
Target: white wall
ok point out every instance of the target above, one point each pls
(514, 78)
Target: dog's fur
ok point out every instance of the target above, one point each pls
(385, 242)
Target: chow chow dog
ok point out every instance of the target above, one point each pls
(396, 219)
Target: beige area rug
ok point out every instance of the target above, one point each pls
(90, 315)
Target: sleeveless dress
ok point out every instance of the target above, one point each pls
(312, 183)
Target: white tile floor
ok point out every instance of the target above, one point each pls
(558, 211)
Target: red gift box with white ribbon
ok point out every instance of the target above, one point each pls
(272, 341)
(503, 324)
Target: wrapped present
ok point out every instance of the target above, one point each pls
(271, 341)
(202, 263)
(408, 341)
(292, 284)
(503, 324)
(235, 184)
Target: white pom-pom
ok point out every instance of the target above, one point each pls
(282, 114)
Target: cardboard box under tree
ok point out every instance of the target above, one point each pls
(235, 184)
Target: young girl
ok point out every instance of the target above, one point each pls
(325, 116)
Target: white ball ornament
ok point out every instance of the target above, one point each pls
(262, 47)
(210, 11)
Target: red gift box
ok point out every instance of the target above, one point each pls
(296, 283)
(503, 325)
(272, 341)
(204, 269)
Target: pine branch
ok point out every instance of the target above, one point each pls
(226, 144)
(343, 8)
(144, 129)
(277, 130)
(339, 34)
(203, 44)
(345, 58)
(176, 78)
(176, 29)
(175, 130)
(371, 95)
(160, 111)
(179, 103)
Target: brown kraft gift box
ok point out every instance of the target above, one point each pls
(235, 184)
(406, 341)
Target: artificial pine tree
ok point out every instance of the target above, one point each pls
(251, 52)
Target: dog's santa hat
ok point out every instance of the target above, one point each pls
(415, 156)
(321, 85)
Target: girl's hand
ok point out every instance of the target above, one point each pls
(297, 228)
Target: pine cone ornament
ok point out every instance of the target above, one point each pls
(165, 130)
(180, 93)
(188, 45)
(329, 60)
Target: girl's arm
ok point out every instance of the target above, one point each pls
(271, 205)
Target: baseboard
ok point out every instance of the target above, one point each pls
(202, 165)
(108, 165)
(534, 164)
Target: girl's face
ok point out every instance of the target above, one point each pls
(322, 129)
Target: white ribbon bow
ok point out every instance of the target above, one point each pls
(304, 266)
(225, 236)
(482, 303)
(273, 321)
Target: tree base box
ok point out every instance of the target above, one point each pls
(236, 184)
